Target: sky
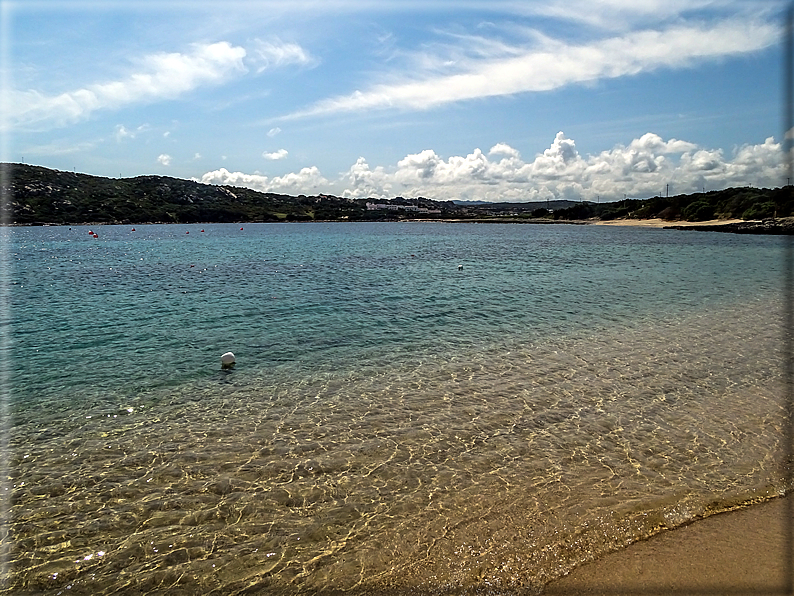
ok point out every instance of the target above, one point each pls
(490, 100)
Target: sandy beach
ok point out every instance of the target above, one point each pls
(739, 552)
(661, 223)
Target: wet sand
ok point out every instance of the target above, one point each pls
(735, 553)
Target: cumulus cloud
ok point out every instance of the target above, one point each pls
(558, 161)
(504, 149)
(642, 168)
(160, 76)
(551, 64)
(164, 159)
(280, 154)
(367, 181)
(308, 181)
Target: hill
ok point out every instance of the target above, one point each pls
(38, 195)
(730, 203)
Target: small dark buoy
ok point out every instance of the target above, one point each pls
(187, 232)
(202, 230)
(241, 228)
(133, 229)
(96, 235)
(460, 267)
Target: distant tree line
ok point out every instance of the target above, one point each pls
(38, 195)
(730, 203)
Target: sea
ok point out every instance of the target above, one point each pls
(416, 408)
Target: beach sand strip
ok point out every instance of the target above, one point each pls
(736, 553)
(661, 223)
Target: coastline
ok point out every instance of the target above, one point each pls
(745, 551)
(779, 226)
(664, 223)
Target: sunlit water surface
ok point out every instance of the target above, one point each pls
(416, 408)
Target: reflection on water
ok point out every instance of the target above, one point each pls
(393, 422)
(499, 467)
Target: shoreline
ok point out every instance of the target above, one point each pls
(780, 226)
(744, 551)
(663, 223)
(783, 226)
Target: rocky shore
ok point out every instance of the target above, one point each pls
(781, 226)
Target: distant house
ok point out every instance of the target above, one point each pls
(377, 206)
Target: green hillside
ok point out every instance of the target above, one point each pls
(730, 203)
(40, 195)
(37, 195)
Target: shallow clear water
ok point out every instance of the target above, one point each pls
(393, 421)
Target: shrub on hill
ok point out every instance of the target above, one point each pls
(760, 211)
(698, 211)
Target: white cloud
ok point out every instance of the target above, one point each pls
(164, 159)
(161, 76)
(366, 181)
(420, 166)
(642, 168)
(197, 156)
(274, 54)
(122, 132)
(280, 154)
(504, 149)
(307, 181)
(273, 132)
(752, 162)
(621, 14)
(550, 64)
(558, 161)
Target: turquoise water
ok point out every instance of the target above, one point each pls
(428, 407)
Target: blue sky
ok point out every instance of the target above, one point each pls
(489, 100)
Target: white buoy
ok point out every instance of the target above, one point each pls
(460, 267)
(227, 360)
